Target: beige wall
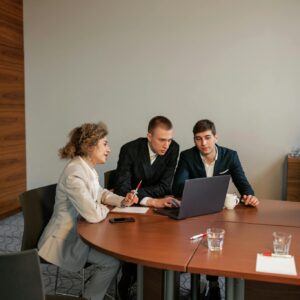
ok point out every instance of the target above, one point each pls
(236, 62)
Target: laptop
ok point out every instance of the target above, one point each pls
(201, 196)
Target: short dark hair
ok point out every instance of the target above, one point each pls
(204, 125)
(159, 121)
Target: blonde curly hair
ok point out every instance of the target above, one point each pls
(82, 138)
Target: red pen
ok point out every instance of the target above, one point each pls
(137, 188)
(268, 253)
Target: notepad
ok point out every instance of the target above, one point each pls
(277, 265)
(131, 209)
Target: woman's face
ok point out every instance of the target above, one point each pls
(99, 153)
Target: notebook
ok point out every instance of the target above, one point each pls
(201, 196)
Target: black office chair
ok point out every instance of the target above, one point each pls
(37, 206)
(109, 179)
(21, 279)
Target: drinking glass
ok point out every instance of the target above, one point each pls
(215, 238)
(281, 243)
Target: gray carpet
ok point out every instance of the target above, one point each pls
(11, 230)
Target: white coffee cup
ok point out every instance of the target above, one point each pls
(231, 201)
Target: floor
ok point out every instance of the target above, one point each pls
(11, 230)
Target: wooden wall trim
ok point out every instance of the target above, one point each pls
(12, 108)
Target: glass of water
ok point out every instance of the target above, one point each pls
(281, 243)
(215, 238)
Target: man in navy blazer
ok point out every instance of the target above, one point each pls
(207, 159)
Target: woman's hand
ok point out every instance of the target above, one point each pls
(130, 199)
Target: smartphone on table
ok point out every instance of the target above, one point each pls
(121, 220)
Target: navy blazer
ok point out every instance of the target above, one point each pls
(134, 165)
(191, 166)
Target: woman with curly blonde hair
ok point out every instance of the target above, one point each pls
(79, 193)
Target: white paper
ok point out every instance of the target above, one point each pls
(277, 265)
(131, 209)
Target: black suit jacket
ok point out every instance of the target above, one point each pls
(191, 166)
(134, 165)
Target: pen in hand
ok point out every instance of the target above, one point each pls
(135, 192)
(194, 237)
(132, 197)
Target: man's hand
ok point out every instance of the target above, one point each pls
(250, 200)
(163, 202)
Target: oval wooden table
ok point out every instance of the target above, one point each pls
(237, 260)
(269, 215)
(269, 212)
(159, 242)
(152, 240)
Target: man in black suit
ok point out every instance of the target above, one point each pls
(208, 159)
(153, 160)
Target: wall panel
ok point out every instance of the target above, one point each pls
(12, 111)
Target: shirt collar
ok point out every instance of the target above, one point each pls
(151, 153)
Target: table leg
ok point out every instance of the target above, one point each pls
(140, 275)
(195, 286)
(229, 290)
(169, 285)
(239, 289)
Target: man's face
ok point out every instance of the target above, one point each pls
(205, 142)
(160, 140)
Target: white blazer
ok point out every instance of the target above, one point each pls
(78, 192)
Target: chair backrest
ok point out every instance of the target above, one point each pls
(37, 206)
(109, 179)
(20, 276)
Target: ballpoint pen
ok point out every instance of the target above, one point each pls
(123, 203)
(194, 237)
(135, 192)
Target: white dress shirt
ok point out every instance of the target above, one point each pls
(152, 155)
(209, 168)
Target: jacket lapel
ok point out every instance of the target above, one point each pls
(157, 166)
(200, 169)
(146, 160)
(93, 180)
(218, 163)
